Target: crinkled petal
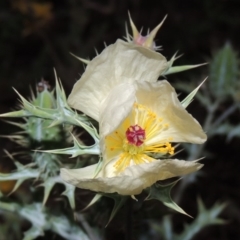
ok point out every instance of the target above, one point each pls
(116, 107)
(162, 99)
(118, 63)
(131, 181)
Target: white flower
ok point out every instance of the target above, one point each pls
(131, 181)
(138, 121)
(119, 63)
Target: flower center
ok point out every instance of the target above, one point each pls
(141, 134)
(135, 135)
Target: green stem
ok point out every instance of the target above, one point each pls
(91, 234)
(225, 115)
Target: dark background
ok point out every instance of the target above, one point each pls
(37, 36)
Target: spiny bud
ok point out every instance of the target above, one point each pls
(145, 41)
(43, 85)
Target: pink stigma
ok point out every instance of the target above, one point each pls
(141, 40)
(135, 135)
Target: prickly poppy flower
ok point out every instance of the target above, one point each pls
(120, 62)
(139, 121)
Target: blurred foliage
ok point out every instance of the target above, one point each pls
(224, 73)
(204, 218)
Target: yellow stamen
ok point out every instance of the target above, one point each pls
(129, 154)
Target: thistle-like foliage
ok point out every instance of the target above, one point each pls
(41, 133)
(47, 121)
(205, 217)
(43, 220)
(224, 73)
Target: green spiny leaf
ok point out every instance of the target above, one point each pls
(119, 200)
(21, 174)
(48, 185)
(60, 115)
(205, 218)
(68, 230)
(50, 182)
(188, 87)
(44, 99)
(76, 150)
(35, 214)
(60, 94)
(24, 173)
(33, 233)
(19, 113)
(70, 194)
(177, 69)
(93, 201)
(224, 72)
(42, 220)
(186, 101)
(48, 164)
(20, 125)
(35, 110)
(162, 193)
(171, 61)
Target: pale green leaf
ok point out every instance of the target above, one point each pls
(177, 69)
(93, 201)
(186, 101)
(224, 72)
(76, 150)
(33, 233)
(162, 193)
(119, 200)
(204, 218)
(66, 229)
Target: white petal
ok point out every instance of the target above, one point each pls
(162, 99)
(116, 107)
(131, 181)
(118, 63)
